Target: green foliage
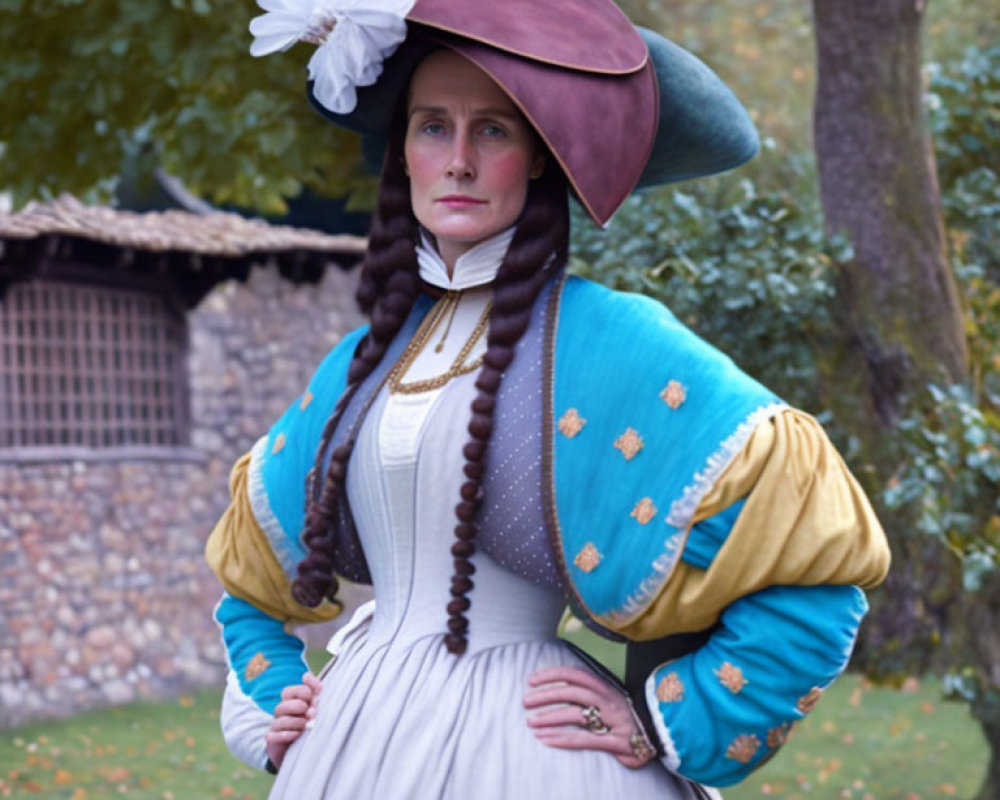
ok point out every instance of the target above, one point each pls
(963, 101)
(750, 270)
(83, 83)
(950, 473)
(949, 443)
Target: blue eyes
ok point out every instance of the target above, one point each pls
(486, 131)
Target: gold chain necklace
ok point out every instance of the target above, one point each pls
(421, 337)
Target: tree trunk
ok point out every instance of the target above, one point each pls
(902, 319)
(899, 308)
(982, 613)
(990, 789)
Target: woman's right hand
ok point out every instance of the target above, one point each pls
(291, 716)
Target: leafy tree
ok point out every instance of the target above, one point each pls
(85, 82)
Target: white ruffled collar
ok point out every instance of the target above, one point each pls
(475, 267)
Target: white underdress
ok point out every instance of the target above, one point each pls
(400, 717)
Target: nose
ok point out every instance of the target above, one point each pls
(461, 164)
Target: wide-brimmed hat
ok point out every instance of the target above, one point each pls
(618, 106)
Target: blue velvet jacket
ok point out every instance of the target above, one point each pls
(641, 420)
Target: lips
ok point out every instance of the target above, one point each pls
(459, 200)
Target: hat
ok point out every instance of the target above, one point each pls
(617, 106)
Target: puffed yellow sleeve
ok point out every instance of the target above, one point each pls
(240, 555)
(804, 520)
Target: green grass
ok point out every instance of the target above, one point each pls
(868, 743)
(166, 751)
(861, 742)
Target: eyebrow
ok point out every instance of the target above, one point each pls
(487, 111)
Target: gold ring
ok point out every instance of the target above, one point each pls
(641, 747)
(592, 721)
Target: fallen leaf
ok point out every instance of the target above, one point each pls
(855, 699)
(947, 788)
(186, 700)
(927, 708)
(62, 776)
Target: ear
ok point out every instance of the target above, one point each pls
(537, 168)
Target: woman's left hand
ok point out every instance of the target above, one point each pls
(596, 715)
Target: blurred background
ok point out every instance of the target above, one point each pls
(178, 237)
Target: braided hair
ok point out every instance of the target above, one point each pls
(389, 286)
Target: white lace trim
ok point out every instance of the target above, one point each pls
(267, 520)
(682, 510)
(671, 758)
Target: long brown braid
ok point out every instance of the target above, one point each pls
(389, 285)
(542, 234)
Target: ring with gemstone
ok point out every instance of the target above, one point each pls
(641, 747)
(592, 721)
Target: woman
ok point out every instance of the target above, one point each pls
(502, 440)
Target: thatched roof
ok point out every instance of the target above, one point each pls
(219, 233)
(195, 250)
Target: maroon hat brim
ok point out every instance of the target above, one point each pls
(599, 127)
(562, 33)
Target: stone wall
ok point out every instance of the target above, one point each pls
(104, 594)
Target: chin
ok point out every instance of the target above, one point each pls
(467, 235)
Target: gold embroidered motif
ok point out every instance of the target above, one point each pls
(571, 423)
(743, 748)
(258, 666)
(674, 394)
(588, 558)
(808, 702)
(776, 737)
(307, 398)
(731, 677)
(279, 443)
(644, 510)
(629, 443)
(670, 689)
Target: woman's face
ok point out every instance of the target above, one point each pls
(469, 154)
